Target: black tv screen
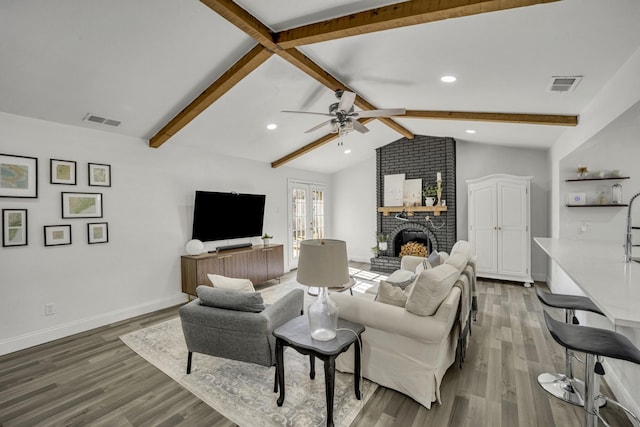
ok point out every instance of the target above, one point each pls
(222, 216)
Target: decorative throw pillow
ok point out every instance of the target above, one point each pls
(443, 257)
(401, 278)
(434, 258)
(223, 282)
(230, 299)
(430, 289)
(424, 265)
(457, 261)
(390, 294)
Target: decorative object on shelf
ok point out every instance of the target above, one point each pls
(14, 227)
(194, 247)
(323, 263)
(97, 232)
(265, 239)
(99, 175)
(430, 194)
(616, 194)
(602, 198)
(62, 172)
(18, 176)
(577, 198)
(393, 187)
(439, 186)
(412, 189)
(57, 235)
(81, 205)
(382, 241)
(582, 171)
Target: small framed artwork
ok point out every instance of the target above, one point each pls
(99, 175)
(98, 232)
(81, 205)
(18, 176)
(14, 227)
(63, 172)
(57, 235)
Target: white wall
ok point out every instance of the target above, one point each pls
(149, 210)
(354, 208)
(477, 160)
(604, 139)
(355, 198)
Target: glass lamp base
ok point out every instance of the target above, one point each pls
(323, 317)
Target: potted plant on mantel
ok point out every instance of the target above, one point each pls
(265, 239)
(382, 241)
(430, 194)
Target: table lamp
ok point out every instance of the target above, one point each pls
(323, 264)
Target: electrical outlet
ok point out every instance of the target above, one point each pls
(49, 309)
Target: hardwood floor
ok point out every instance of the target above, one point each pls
(94, 379)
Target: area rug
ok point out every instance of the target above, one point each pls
(243, 392)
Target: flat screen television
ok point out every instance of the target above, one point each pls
(222, 216)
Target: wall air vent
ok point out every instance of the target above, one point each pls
(103, 121)
(564, 83)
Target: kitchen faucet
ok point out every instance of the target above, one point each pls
(628, 243)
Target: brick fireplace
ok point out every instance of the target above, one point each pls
(421, 157)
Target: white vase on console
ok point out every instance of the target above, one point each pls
(429, 201)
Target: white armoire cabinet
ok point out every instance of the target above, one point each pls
(500, 226)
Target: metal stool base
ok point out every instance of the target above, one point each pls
(570, 391)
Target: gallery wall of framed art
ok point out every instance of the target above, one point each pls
(19, 180)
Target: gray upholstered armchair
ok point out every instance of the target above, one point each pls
(236, 325)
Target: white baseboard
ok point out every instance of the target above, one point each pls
(20, 342)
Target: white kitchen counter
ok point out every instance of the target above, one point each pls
(599, 270)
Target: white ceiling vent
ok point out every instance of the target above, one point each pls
(564, 83)
(102, 120)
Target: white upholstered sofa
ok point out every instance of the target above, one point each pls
(408, 346)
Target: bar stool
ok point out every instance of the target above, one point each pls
(565, 386)
(595, 343)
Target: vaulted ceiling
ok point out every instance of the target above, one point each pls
(210, 75)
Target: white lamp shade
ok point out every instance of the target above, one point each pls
(323, 263)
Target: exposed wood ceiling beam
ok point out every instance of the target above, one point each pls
(244, 21)
(259, 54)
(310, 147)
(531, 119)
(301, 61)
(394, 16)
(249, 62)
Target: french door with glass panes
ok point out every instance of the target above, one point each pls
(307, 207)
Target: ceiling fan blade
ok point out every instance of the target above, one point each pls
(307, 112)
(316, 127)
(359, 127)
(346, 101)
(381, 113)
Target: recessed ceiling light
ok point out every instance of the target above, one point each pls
(272, 126)
(470, 131)
(347, 151)
(448, 79)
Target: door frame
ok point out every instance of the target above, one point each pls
(291, 182)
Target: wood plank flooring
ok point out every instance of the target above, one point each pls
(94, 379)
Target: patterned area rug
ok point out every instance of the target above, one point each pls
(243, 392)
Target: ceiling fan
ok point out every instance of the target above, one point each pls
(343, 117)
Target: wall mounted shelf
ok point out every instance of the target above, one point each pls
(597, 179)
(410, 210)
(598, 206)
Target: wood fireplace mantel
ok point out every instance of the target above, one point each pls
(410, 210)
